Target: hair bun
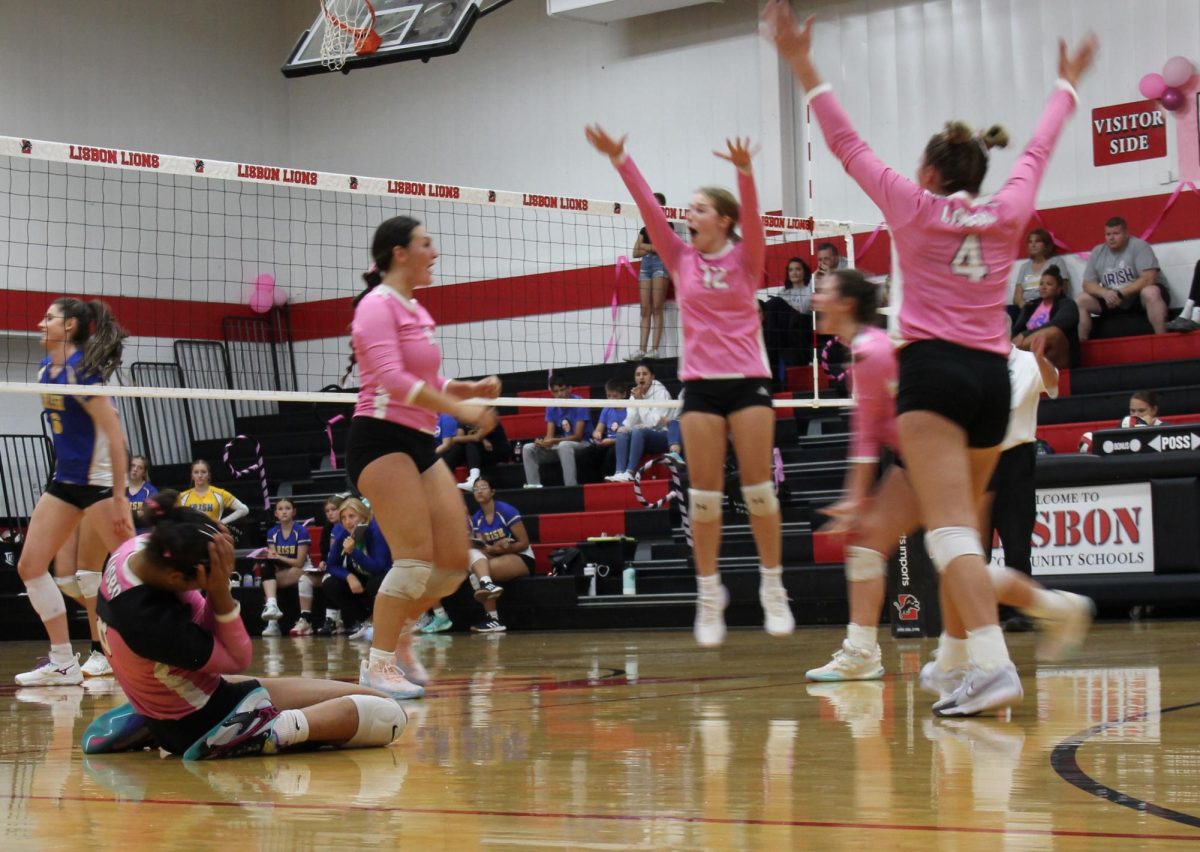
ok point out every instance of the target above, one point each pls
(957, 132)
(995, 136)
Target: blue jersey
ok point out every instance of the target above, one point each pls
(499, 528)
(137, 499)
(80, 449)
(611, 419)
(288, 546)
(446, 427)
(564, 420)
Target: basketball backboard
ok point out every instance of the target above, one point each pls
(408, 29)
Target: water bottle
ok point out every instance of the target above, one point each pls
(589, 571)
(629, 581)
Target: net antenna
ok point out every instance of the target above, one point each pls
(350, 29)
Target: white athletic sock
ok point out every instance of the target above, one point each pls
(1048, 605)
(62, 654)
(1195, 314)
(474, 474)
(378, 656)
(708, 585)
(865, 638)
(952, 653)
(333, 614)
(271, 601)
(290, 728)
(986, 648)
(439, 612)
(770, 576)
(485, 579)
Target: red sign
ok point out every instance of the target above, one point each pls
(1125, 133)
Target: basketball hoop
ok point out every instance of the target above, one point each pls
(349, 28)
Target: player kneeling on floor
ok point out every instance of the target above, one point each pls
(176, 653)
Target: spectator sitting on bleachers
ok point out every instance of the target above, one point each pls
(137, 486)
(203, 496)
(500, 552)
(479, 451)
(599, 458)
(287, 555)
(1054, 318)
(1143, 410)
(644, 429)
(1122, 274)
(333, 617)
(829, 259)
(357, 562)
(788, 322)
(1189, 317)
(566, 430)
(1029, 272)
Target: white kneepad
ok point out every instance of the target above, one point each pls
(47, 600)
(407, 578)
(380, 721)
(89, 582)
(760, 499)
(305, 585)
(864, 564)
(443, 583)
(946, 544)
(69, 586)
(704, 507)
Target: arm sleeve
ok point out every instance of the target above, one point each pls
(231, 650)
(1065, 315)
(1017, 195)
(896, 196)
(375, 331)
(375, 557)
(869, 415)
(666, 242)
(335, 559)
(754, 237)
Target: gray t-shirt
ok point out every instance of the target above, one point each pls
(1030, 280)
(1113, 270)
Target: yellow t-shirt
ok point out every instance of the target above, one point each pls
(214, 503)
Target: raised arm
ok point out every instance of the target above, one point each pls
(1020, 189)
(754, 236)
(662, 236)
(895, 195)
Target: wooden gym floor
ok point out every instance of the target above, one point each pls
(638, 740)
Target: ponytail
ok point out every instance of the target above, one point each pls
(97, 335)
(397, 231)
(961, 157)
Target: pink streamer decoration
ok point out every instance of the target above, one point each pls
(870, 241)
(623, 265)
(259, 465)
(1145, 235)
(329, 434)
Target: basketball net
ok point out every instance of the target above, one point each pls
(349, 28)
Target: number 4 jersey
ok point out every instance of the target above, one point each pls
(80, 449)
(951, 254)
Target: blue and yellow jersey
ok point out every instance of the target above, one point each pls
(80, 449)
(214, 503)
(288, 546)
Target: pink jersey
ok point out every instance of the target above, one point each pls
(168, 651)
(722, 334)
(397, 356)
(951, 255)
(873, 378)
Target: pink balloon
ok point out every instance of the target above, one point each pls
(263, 295)
(1177, 71)
(1152, 86)
(1172, 99)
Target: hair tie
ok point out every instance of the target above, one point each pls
(155, 509)
(983, 146)
(373, 268)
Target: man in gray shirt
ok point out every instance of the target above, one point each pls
(1122, 274)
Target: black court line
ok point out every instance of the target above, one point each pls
(1065, 761)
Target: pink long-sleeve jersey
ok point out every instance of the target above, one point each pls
(951, 255)
(397, 355)
(873, 378)
(168, 651)
(722, 334)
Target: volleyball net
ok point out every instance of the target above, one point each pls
(235, 280)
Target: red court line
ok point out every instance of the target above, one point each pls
(562, 815)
